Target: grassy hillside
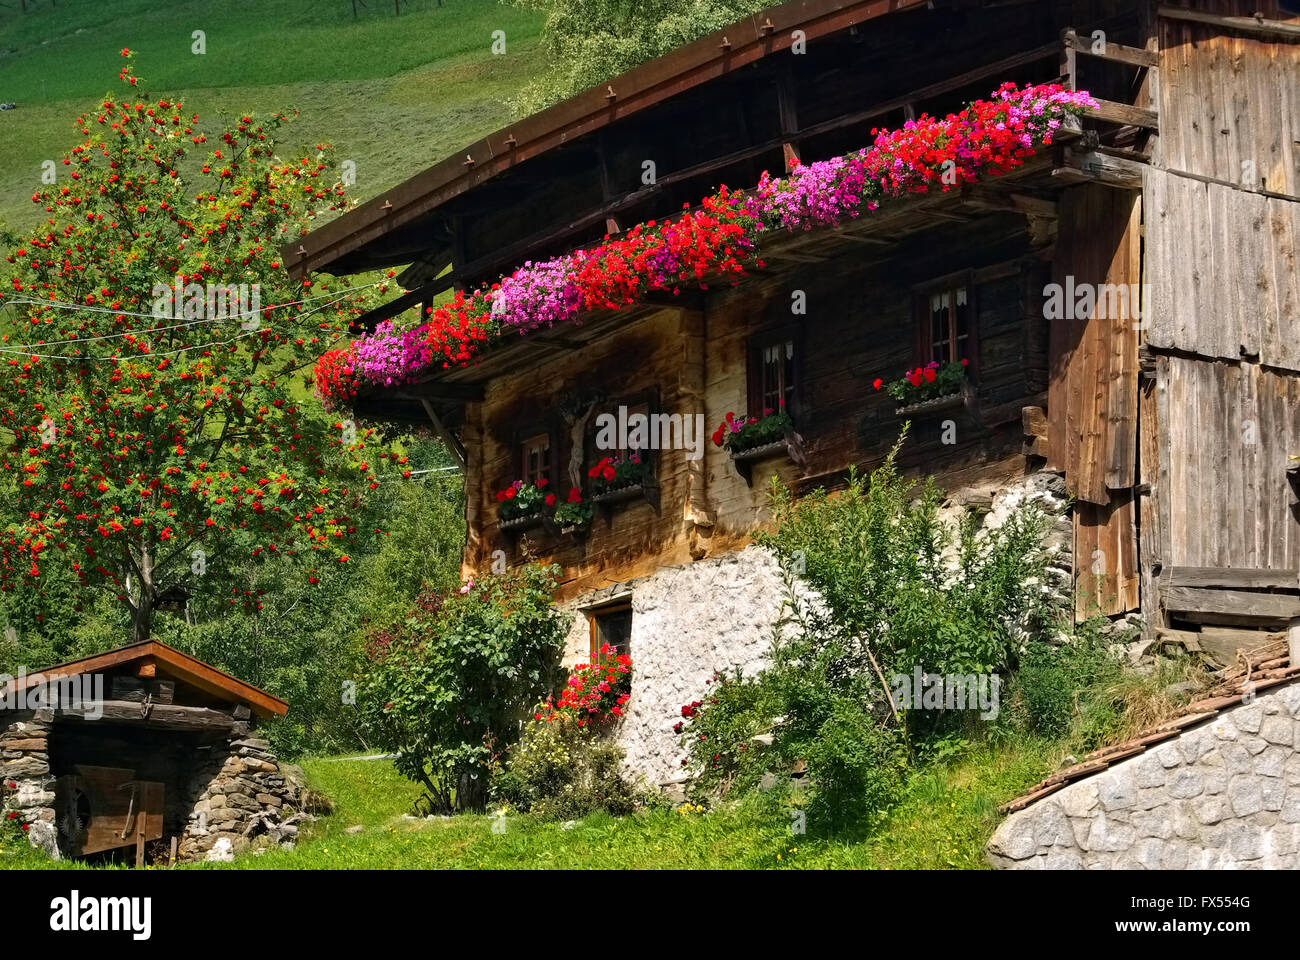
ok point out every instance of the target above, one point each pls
(393, 93)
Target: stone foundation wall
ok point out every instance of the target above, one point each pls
(719, 613)
(1222, 795)
(245, 797)
(687, 621)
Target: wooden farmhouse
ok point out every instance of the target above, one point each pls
(1167, 412)
(143, 753)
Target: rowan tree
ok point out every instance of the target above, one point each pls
(154, 439)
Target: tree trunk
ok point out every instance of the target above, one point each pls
(142, 615)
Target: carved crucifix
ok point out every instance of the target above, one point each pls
(576, 408)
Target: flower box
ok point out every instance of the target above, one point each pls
(933, 405)
(764, 451)
(526, 522)
(619, 494)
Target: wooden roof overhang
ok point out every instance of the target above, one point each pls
(886, 78)
(354, 242)
(172, 662)
(719, 110)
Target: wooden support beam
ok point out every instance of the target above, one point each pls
(787, 113)
(1126, 114)
(1230, 606)
(1096, 167)
(1069, 61)
(1115, 52)
(1233, 578)
(448, 438)
(1257, 26)
(151, 715)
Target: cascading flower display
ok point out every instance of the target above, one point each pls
(719, 240)
(597, 692)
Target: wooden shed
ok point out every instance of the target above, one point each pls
(1175, 436)
(113, 752)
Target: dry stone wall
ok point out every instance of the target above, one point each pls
(25, 767)
(1220, 796)
(245, 799)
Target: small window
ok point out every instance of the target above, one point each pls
(946, 322)
(535, 459)
(776, 372)
(612, 625)
(773, 375)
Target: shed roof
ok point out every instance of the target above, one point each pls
(1268, 665)
(171, 661)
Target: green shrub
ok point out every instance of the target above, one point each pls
(450, 689)
(559, 770)
(1055, 691)
(718, 733)
(896, 588)
(903, 583)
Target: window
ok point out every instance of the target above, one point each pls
(776, 373)
(773, 375)
(945, 323)
(612, 625)
(535, 459)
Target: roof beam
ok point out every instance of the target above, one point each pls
(1256, 25)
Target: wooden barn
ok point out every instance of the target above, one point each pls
(141, 747)
(1171, 420)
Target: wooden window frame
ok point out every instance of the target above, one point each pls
(923, 321)
(648, 398)
(754, 374)
(595, 613)
(526, 434)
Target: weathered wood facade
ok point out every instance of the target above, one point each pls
(1173, 420)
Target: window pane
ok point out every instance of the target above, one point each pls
(536, 459)
(939, 330)
(614, 628)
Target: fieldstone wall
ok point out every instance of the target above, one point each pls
(1222, 795)
(25, 767)
(246, 799)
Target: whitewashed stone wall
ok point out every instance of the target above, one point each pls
(687, 621)
(1223, 795)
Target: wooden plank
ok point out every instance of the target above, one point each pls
(1126, 114)
(166, 716)
(136, 690)
(1238, 605)
(1150, 519)
(1093, 166)
(1115, 52)
(1232, 578)
(1223, 643)
(1255, 26)
(1121, 411)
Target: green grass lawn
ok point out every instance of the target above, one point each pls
(942, 822)
(395, 94)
